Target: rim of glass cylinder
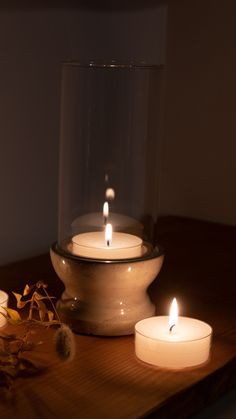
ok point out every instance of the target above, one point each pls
(111, 64)
(152, 253)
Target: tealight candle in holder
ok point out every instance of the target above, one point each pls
(109, 159)
(173, 342)
(98, 245)
(3, 303)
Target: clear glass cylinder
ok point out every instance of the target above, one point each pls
(109, 149)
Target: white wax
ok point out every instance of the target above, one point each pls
(93, 245)
(3, 303)
(187, 345)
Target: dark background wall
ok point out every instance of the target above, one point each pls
(199, 148)
(33, 43)
(198, 155)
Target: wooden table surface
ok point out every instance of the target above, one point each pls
(105, 379)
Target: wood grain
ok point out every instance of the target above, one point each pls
(105, 379)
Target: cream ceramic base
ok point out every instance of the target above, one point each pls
(105, 298)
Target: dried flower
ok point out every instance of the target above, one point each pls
(64, 343)
(14, 360)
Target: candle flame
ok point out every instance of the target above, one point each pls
(105, 209)
(108, 234)
(173, 317)
(110, 193)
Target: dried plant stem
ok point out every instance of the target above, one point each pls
(31, 309)
(53, 305)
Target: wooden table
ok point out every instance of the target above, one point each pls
(105, 379)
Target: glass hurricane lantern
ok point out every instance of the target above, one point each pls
(108, 174)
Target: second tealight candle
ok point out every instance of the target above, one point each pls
(164, 344)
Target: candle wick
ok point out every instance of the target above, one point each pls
(105, 220)
(171, 327)
(108, 243)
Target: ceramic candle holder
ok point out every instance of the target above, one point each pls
(105, 297)
(108, 200)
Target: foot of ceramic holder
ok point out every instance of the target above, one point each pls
(105, 298)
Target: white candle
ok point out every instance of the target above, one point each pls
(184, 343)
(94, 245)
(3, 303)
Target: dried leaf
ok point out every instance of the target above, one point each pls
(42, 308)
(27, 293)
(16, 352)
(42, 297)
(27, 289)
(50, 315)
(13, 314)
(20, 304)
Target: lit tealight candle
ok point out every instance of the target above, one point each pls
(98, 245)
(173, 342)
(105, 211)
(3, 303)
